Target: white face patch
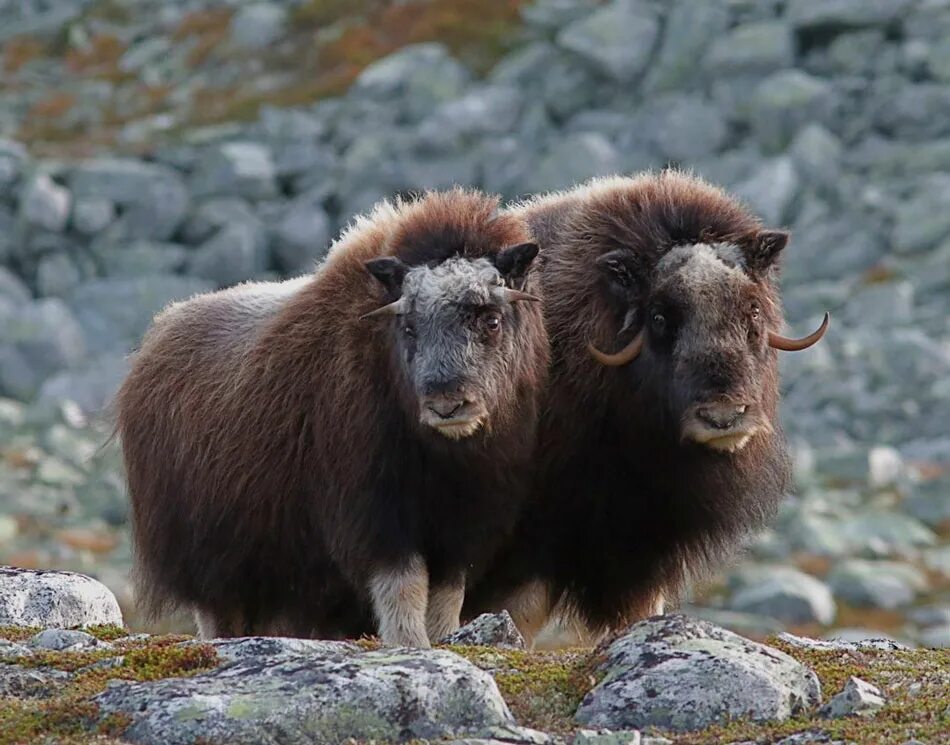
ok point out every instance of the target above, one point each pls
(453, 281)
(701, 264)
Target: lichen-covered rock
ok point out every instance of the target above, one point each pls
(682, 674)
(857, 698)
(607, 737)
(841, 645)
(488, 630)
(66, 640)
(339, 692)
(30, 597)
(25, 683)
(274, 647)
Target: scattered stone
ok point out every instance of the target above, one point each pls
(878, 584)
(28, 683)
(421, 76)
(31, 597)
(243, 169)
(153, 197)
(45, 204)
(258, 26)
(839, 14)
(65, 640)
(757, 48)
(857, 698)
(382, 695)
(488, 630)
(93, 215)
(617, 38)
(302, 236)
(606, 737)
(236, 253)
(788, 595)
(683, 674)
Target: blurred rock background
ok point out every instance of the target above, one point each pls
(153, 149)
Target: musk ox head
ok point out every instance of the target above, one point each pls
(704, 322)
(457, 333)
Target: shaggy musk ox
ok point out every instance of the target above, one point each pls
(340, 452)
(655, 460)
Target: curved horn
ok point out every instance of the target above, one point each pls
(513, 296)
(777, 341)
(627, 354)
(393, 309)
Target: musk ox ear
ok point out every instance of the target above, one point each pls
(622, 272)
(514, 262)
(390, 272)
(764, 249)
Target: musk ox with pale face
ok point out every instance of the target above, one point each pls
(343, 452)
(453, 342)
(656, 460)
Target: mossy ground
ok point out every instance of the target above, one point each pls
(542, 689)
(68, 715)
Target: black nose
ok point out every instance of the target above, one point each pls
(721, 416)
(444, 406)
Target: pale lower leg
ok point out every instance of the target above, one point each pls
(400, 597)
(216, 626)
(445, 607)
(530, 607)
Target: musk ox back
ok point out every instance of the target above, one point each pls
(657, 459)
(340, 453)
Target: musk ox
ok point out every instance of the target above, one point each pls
(343, 451)
(653, 461)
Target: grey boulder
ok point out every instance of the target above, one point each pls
(616, 39)
(787, 594)
(488, 630)
(325, 698)
(857, 698)
(32, 597)
(45, 204)
(153, 197)
(684, 674)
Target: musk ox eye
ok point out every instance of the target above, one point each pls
(755, 311)
(409, 330)
(491, 322)
(658, 323)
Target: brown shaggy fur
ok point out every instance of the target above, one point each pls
(270, 468)
(623, 512)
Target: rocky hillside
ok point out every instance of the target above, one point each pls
(228, 141)
(666, 680)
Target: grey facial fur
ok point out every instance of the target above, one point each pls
(711, 356)
(448, 352)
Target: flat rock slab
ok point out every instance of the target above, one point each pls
(46, 599)
(684, 674)
(322, 697)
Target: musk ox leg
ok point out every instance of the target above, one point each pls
(530, 607)
(213, 625)
(400, 595)
(445, 607)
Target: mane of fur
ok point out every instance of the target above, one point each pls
(269, 463)
(620, 509)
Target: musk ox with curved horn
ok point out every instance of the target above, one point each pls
(654, 460)
(343, 451)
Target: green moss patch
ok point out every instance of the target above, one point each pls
(542, 689)
(69, 716)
